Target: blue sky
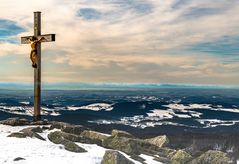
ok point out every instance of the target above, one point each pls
(129, 41)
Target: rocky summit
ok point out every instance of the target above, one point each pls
(123, 147)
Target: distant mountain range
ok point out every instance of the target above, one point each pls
(85, 86)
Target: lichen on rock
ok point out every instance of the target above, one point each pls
(114, 157)
(180, 157)
(212, 157)
(57, 138)
(120, 133)
(160, 141)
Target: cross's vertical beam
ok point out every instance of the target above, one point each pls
(37, 71)
(36, 46)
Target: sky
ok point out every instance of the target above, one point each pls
(128, 41)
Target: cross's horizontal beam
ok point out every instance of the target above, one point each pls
(48, 38)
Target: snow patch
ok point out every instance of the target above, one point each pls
(185, 108)
(215, 122)
(94, 107)
(182, 115)
(138, 121)
(169, 114)
(149, 159)
(23, 110)
(24, 102)
(142, 98)
(161, 114)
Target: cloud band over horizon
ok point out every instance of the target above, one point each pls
(135, 41)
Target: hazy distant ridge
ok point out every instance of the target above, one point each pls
(5, 85)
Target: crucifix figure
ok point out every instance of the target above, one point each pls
(35, 56)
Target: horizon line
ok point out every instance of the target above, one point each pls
(80, 85)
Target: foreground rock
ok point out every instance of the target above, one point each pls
(88, 137)
(135, 147)
(119, 140)
(15, 121)
(37, 129)
(57, 138)
(212, 157)
(28, 132)
(180, 157)
(57, 125)
(17, 135)
(160, 141)
(93, 137)
(114, 157)
(78, 133)
(32, 132)
(120, 133)
(68, 128)
(42, 122)
(22, 121)
(19, 159)
(129, 145)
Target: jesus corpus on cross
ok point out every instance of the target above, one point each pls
(35, 56)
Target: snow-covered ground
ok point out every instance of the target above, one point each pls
(37, 151)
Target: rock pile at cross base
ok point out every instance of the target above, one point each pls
(119, 141)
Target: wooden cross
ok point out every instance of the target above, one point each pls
(37, 71)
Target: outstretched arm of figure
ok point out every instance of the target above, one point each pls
(42, 38)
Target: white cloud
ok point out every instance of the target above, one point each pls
(126, 37)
